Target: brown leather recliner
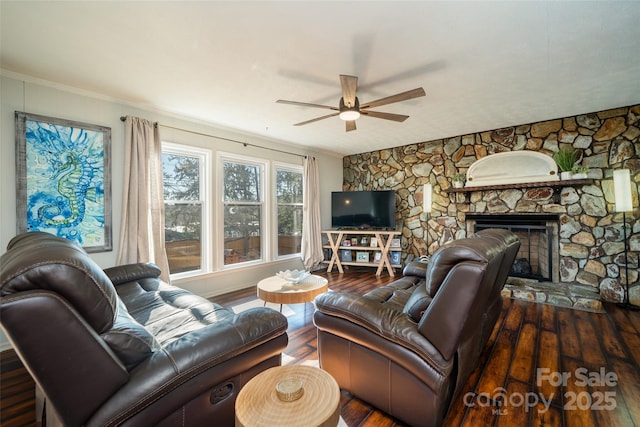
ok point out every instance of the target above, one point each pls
(121, 347)
(408, 347)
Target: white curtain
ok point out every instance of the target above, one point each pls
(311, 254)
(142, 233)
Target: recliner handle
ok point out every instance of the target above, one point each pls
(221, 393)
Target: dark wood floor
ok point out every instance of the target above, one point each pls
(531, 347)
(17, 392)
(590, 347)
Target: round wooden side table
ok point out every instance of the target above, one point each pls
(259, 405)
(280, 291)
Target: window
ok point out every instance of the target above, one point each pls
(185, 172)
(243, 199)
(289, 209)
(258, 210)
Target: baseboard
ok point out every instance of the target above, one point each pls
(5, 345)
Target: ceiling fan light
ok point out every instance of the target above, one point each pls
(349, 115)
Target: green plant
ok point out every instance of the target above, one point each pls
(580, 169)
(459, 177)
(565, 158)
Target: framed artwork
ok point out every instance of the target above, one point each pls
(395, 258)
(63, 173)
(362, 256)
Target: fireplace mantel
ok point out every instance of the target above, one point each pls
(564, 183)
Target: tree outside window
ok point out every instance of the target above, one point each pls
(186, 174)
(183, 210)
(242, 212)
(289, 204)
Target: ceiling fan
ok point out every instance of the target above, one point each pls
(349, 108)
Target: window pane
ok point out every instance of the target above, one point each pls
(183, 233)
(289, 199)
(241, 182)
(181, 177)
(289, 229)
(289, 186)
(241, 233)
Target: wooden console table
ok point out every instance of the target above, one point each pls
(384, 240)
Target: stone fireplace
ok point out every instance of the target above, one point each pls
(587, 238)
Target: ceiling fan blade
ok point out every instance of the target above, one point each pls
(306, 104)
(349, 85)
(414, 93)
(316, 119)
(350, 125)
(386, 116)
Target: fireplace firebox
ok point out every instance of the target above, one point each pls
(538, 234)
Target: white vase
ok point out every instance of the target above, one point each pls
(565, 175)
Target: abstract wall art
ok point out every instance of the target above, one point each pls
(63, 172)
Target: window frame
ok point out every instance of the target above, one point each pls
(265, 214)
(205, 169)
(278, 166)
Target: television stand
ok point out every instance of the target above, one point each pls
(344, 253)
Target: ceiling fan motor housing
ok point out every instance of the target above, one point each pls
(344, 107)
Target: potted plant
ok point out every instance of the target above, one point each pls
(459, 179)
(565, 158)
(580, 172)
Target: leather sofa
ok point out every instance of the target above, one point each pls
(407, 348)
(121, 347)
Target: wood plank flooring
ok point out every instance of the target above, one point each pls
(17, 392)
(530, 349)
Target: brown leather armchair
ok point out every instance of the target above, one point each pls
(121, 347)
(408, 347)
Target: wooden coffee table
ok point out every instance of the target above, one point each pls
(259, 405)
(280, 291)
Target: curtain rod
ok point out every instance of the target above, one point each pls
(246, 144)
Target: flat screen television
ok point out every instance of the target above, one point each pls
(363, 209)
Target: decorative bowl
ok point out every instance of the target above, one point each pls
(293, 276)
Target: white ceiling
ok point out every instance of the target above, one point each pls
(484, 65)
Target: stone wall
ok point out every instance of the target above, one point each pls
(591, 246)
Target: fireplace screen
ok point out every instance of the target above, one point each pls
(535, 258)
